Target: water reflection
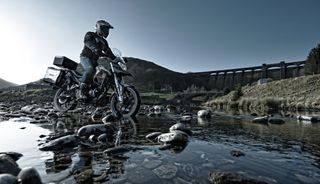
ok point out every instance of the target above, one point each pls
(272, 151)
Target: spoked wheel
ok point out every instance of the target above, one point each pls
(64, 100)
(130, 105)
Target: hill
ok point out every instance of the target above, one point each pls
(150, 76)
(5, 84)
(300, 93)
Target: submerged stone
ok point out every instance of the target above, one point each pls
(14, 155)
(231, 178)
(96, 129)
(166, 171)
(180, 126)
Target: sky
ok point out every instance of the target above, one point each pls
(181, 35)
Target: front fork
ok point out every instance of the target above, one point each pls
(119, 87)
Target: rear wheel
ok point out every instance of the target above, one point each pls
(130, 105)
(64, 100)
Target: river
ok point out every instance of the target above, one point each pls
(274, 153)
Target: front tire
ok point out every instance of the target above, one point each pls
(130, 105)
(64, 100)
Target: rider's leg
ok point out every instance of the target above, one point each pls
(89, 69)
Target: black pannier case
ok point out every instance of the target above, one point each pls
(65, 62)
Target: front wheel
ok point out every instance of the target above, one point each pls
(64, 100)
(130, 105)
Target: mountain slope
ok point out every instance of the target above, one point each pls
(5, 84)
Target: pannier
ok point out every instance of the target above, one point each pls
(54, 76)
(65, 62)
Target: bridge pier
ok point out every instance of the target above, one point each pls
(283, 70)
(264, 71)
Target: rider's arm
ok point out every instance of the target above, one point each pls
(107, 51)
(90, 42)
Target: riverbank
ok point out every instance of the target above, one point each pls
(300, 93)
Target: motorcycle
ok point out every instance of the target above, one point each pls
(108, 86)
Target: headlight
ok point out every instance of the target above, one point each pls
(123, 66)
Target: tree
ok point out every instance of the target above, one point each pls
(312, 65)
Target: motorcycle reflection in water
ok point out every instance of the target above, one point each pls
(100, 150)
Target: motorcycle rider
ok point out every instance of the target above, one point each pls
(95, 46)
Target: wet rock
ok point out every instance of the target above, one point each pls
(152, 136)
(237, 153)
(261, 120)
(166, 171)
(171, 108)
(41, 111)
(186, 118)
(103, 138)
(204, 114)
(173, 137)
(93, 138)
(60, 143)
(203, 121)
(84, 177)
(8, 179)
(179, 180)
(8, 165)
(165, 147)
(14, 155)
(153, 114)
(277, 121)
(231, 178)
(312, 119)
(52, 115)
(180, 126)
(118, 150)
(29, 108)
(109, 118)
(29, 175)
(23, 128)
(96, 129)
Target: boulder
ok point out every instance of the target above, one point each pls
(204, 114)
(261, 120)
(60, 143)
(29, 175)
(152, 136)
(14, 155)
(8, 179)
(180, 126)
(277, 121)
(96, 129)
(175, 137)
(8, 165)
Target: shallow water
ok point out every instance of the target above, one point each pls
(286, 153)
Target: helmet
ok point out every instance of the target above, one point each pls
(102, 28)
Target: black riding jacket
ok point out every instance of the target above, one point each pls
(95, 46)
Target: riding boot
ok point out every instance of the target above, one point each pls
(83, 91)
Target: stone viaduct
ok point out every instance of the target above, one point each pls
(229, 78)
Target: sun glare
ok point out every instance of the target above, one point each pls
(15, 53)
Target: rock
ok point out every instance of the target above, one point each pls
(261, 120)
(118, 150)
(141, 175)
(204, 114)
(103, 138)
(14, 155)
(186, 118)
(151, 164)
(60, 143)
(153, 114)
(312, 119)
(277, 121)
(96, 129)
(175, 137)
(41, 111)
(29, 108)
(8, 165)
(152, 136)
(231, 178)
(109, 118)
(237, 153)
(171, 108)
(180, 126)
(29, 175)
(8, 179)
(166, 171)
(84, 177)
(93, 138)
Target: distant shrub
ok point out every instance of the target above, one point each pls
(312, 65)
